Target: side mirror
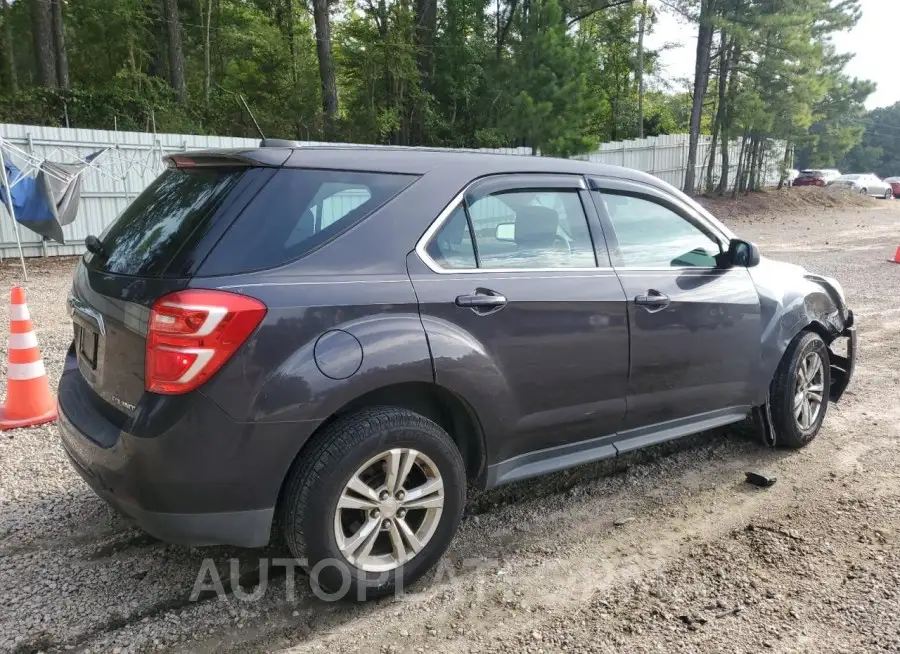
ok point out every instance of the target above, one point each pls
(743, 253)
(506, 232)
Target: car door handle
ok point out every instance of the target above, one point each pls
(653, 301)
(482, 301)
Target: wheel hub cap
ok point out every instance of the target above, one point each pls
(389, 510)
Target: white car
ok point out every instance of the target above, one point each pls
(867, 184)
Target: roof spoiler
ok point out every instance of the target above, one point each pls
(279, 143)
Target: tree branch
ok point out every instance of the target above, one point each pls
(610, 4)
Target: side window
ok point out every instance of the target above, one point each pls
(452, 247)
(652, 236)
(532, 229)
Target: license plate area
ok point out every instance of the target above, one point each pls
(88, 344)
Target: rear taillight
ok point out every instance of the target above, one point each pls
(192, 333)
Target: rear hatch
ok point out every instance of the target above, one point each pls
(151, 250)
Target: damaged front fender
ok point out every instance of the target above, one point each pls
(791, 301)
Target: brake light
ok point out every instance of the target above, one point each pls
(192, 334)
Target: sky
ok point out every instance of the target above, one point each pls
(874, 40)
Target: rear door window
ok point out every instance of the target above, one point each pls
(296, 212)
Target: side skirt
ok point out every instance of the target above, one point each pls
(553, 459)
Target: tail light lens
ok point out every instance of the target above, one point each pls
(192, 334)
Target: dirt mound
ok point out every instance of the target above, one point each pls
(772, 203)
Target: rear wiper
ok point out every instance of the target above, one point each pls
(94, 246)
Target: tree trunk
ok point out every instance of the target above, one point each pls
(701, 80)
(59, 43)
(720, 108)
(740, 167)
(640, 69)
(326, 66)
(426, 24)
(785, 162)
(42, 31)
(727, 117)
(749, 182)
(9, 78)
(175, 50)
(207, 72)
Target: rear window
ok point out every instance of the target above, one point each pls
(811, 173)
(164, 222)
(296, 212)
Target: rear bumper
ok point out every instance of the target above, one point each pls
(842, 367)
(201, 479)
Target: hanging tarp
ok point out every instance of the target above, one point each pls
(47, 202)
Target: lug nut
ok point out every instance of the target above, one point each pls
(383, 495)
(400, 495)
(401, 513)
(386, 525)
(374, 513)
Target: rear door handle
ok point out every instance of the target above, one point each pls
(482, 301)
(653, 301)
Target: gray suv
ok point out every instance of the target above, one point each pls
(338, 341)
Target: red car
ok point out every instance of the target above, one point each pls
(895, 185)
(820, 177)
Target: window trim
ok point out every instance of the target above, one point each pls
(650, 194)
(497, 183)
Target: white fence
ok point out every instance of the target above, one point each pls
(135, 160)
(666, 157)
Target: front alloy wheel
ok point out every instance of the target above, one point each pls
(798, 396)
(809, 390)
(389, 510)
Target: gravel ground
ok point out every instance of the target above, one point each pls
(668, 550)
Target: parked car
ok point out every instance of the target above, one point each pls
(348, 338)
(817, 177)
(867, 184)
(895, 185)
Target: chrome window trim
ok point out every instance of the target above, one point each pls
(444, 215)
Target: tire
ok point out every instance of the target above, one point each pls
(309, 504)
(863, 191)
(888, 194)
(789, 430)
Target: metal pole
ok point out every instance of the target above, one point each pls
(12, 214)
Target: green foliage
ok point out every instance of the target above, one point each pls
(879, 150)
(557, 75)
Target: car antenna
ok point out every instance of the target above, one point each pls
(252, 117)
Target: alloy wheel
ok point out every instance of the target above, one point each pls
(389, 510)
(809, 390)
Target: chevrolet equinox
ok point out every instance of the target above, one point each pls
(337, 341)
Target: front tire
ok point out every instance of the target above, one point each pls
(888, 194)
(374, 501)
(799, 392)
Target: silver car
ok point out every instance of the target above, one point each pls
(866, 184)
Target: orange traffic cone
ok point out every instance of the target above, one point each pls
(896, 256)
(28, 397)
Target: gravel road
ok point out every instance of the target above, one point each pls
(668, 550)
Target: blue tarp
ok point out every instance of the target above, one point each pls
(29, 201)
